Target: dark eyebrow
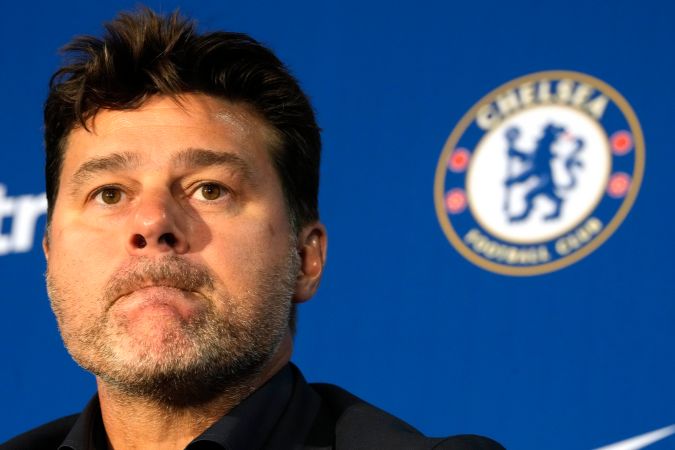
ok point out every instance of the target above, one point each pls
(200, 157)
(112, 162)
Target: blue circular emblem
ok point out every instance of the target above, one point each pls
(539, 173)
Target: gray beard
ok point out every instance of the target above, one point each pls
(212, 355)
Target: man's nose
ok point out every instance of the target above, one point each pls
(157, 225)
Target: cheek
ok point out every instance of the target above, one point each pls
(82, 257)
(239, 253)
(74, 300)
(78, 237)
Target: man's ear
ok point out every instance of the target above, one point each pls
(45, 245)
(312, 245)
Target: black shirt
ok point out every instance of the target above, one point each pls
(248, 426)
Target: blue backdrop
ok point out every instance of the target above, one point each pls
(574, 359)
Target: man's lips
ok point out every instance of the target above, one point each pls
(158, 297)
(150, 285)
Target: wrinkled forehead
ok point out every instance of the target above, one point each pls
(197, 110)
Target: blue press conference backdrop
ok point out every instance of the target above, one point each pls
(575, 359)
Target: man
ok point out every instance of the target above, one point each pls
(182, 179)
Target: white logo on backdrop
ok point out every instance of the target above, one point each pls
(641, 441)
(21, 213)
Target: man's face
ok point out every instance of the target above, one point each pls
(170, 253)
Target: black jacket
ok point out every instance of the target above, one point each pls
(317, 417)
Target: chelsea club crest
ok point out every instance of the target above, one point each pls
(539, 173)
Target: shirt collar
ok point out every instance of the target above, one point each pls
(249, 424)
(88, 432)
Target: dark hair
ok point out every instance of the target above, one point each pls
(143, 54)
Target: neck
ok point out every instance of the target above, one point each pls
(140, 423)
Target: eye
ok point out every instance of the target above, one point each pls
(210, 192)
(109, 195)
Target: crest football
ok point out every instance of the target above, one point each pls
(539, 173)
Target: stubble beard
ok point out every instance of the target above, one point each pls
(211, 354)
